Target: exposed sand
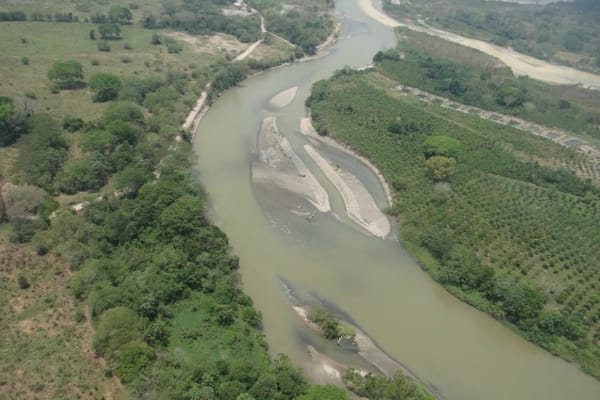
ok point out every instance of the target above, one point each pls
(324, 370)
(248, 51)
(284, 98)
(521, 64)
(193, 119)
(360, 205)
(211, 44)
(281, 166)
(307, 129)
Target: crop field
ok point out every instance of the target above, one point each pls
(508, 217)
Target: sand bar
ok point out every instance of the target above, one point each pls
(307, 129)
(284, 98)
(279, 165)
(360, 205)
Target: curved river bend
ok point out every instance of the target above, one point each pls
(459, 350)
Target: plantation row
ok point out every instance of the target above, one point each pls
(481, 209)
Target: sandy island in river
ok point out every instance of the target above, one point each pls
(279, 165)
(360, 205)
(284, 98)
(521, 64)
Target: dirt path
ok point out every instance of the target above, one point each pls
(521, 64)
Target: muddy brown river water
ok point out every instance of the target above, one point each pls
(460, 351)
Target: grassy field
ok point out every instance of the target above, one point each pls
(508, 231)
(41, 323)
(45, 43)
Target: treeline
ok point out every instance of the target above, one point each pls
(116, 14)
(37, 16)
(481, 218)
(542, 31)
(495, 89)
(304, 29)
(305, 24)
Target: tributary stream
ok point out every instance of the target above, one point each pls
(449, 345)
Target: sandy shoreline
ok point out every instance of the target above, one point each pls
(279, 165)
(521, 64)
(195, 116)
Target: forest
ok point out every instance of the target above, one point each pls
(488, 211)
(565, 32)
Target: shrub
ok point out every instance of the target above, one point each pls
(105, 87)
(103, 46)
(22, 282)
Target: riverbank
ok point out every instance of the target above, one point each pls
(521, 64)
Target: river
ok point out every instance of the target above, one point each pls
(462, 352)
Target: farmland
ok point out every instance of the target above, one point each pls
(503, 227)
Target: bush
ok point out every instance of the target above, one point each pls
(66, 74)
(105, 86)
(440, 168)
(22, 282)
(103, 46)
(132, 358)
(116, 327)
(72, 124)
(25, 60)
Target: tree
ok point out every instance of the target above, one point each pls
(328, 392)
(110, 31)
(116, 327)
(440, 168)
(66, 74)
(132, 358)
(12, 123)
(119, 14)
(92, 34)
(440, 145)
(105, 86)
